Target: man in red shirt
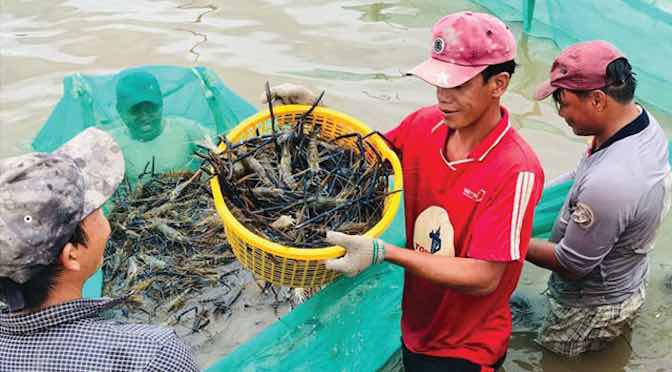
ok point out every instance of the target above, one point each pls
(471, 185)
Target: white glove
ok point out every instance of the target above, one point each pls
(360, 253)
(290, 94)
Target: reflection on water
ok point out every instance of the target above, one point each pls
(372, 12)
(356, 50)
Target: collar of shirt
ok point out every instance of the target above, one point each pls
(639, 124)
(23, 323)
(485, 146)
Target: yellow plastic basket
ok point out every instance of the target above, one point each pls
(290, 266)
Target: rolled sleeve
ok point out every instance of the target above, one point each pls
(595, 222)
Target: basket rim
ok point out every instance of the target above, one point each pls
(307, 253)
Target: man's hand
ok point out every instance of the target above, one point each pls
(290, 94)
(360, 253)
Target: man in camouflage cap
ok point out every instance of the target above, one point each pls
(43, 197)
(52, 239)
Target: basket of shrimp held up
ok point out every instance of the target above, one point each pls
(284, 177)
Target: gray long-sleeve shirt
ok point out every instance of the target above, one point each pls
(608, 223)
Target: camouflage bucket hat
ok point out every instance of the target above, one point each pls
(44, 196)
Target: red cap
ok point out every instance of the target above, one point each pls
(582, 66)
(463, 45)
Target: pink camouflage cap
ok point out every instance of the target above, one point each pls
(463, 45)
(582, 66)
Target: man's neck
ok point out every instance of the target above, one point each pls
(621, 116)
(63, 292)
(463, 140)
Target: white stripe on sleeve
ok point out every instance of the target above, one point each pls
(524, 185)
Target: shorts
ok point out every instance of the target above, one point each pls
(570, 331)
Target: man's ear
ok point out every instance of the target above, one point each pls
(69, 257)
(599, 100)
(499, 83)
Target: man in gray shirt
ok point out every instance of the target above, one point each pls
(52, 238)
(599, 247)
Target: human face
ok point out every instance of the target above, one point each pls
(143, 121)
(578, 112)
(465, 104)
(97, 230)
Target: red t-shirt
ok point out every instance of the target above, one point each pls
(485, 204)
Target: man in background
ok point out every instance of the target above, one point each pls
(600, 245)
(149, 139)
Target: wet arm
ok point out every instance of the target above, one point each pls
(467, 275)
(542, 254)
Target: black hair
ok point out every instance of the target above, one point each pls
(557, 98)
(37, 288)
(557, 95)
(621, 83)
(492, 70)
